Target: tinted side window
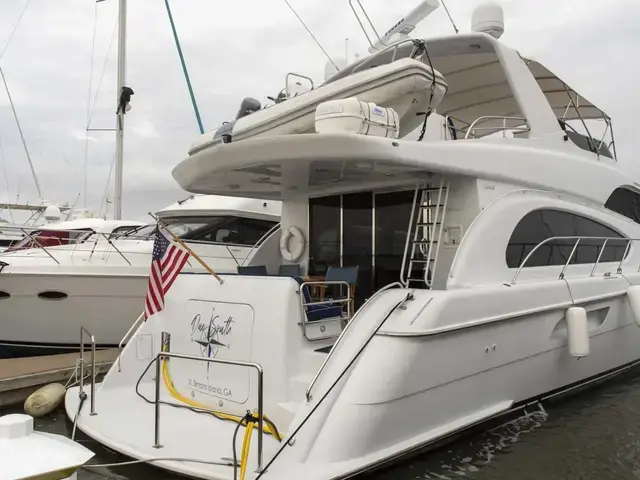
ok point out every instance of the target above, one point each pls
(253, 230)
(224, 230)
(625, 202)
(539, 225)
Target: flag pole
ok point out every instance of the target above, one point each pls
(191, 252)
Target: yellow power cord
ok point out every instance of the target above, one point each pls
(266, 428)
(246, 444)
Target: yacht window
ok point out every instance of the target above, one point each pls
(80, 235)
(217, 230)
(625, 202)
(145, 232)
(253, 230)
(187, 228)
(119, 231)
(324, 234)
(539, 225)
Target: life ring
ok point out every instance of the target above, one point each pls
(295, 236)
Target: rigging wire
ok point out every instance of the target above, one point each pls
(24, 142)
(15, 27)
(450, 19)
(92, 107)
(4, 81)
(6, 178)
(86, 133)
(104, 68)
(312, 35)
(184, 67)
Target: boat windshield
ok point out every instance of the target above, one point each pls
(144, 232)
(185, 227)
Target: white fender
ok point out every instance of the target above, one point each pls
(292, 244)
(578, 331)
(44, 400)
(633, 293)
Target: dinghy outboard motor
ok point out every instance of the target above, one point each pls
(248, 106)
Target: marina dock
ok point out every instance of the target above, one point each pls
(19, 377)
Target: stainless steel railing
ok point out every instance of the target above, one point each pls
(575, 243)
(517, 128)
(84, 332)
(339, 301)
(103, 243)
(253, 365)
(469, 129)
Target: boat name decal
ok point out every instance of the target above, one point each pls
(213, 334)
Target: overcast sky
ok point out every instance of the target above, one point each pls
(244, 48)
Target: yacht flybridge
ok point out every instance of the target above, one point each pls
(501, 262)
(97, 277)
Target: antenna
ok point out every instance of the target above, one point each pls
(406, 24)
(449, 15)
(311, 34)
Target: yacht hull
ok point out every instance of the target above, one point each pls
(44, 313)
(410, 386)
(411, 390)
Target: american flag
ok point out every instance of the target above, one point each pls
(166, 262)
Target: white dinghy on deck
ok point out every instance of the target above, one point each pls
(407, 86)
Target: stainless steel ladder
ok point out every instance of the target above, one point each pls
(426, 230)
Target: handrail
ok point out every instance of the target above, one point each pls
(344, 300)
(103, 248)
(83, 332)
(293, 74)
(307, 394)
(114, 246)
(239, 363)
(127, 335)
(409, 230)
(39, 245)
(504, 119)
(577, 240)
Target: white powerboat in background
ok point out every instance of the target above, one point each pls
(40, 215)
(99, 280)
(495, 269)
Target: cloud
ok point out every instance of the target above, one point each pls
(238, 49)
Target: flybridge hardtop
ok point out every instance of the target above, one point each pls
(409, 86)
(491, 90)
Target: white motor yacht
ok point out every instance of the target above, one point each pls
(97, 276)
(495, 269)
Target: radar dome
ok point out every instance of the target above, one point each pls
(52, 213)
(488, 18)
(330, 67)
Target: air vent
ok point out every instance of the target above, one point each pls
(4, 295)
(52, 295)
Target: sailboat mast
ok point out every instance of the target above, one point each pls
(122, 57)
